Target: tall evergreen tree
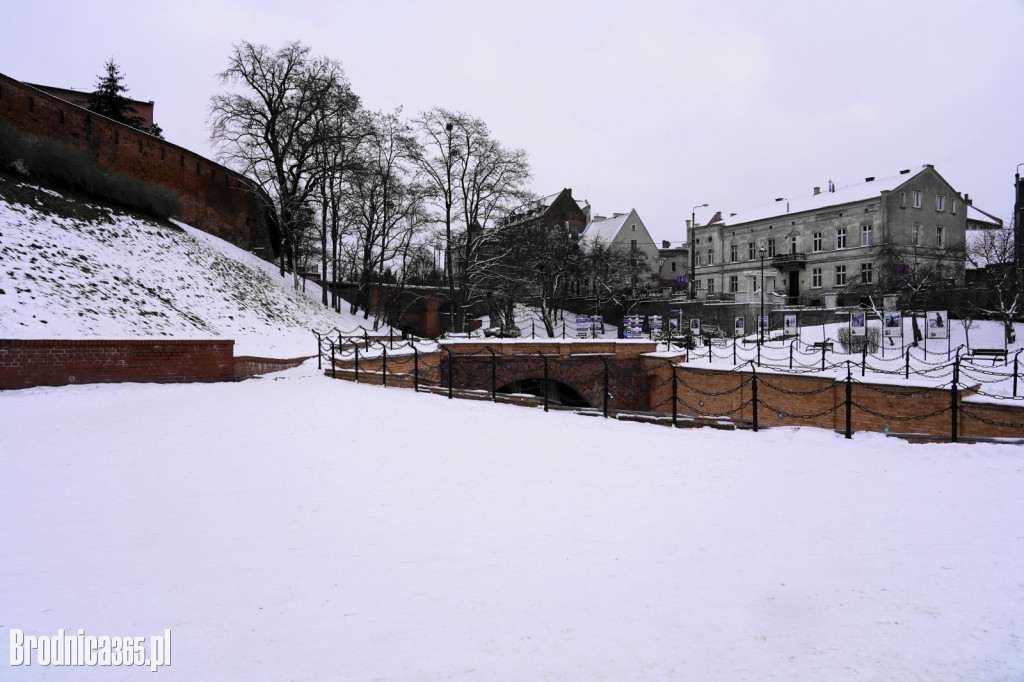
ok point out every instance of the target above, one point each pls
(110, 99)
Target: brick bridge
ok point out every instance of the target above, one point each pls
(576, 373)
(634, 379)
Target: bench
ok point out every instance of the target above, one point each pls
(994, 353)
(822, 345)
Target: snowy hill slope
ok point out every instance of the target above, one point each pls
(70, 270)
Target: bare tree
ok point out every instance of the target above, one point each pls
(386, 203)
(471, 179)
(918, 269)
(270, 129)
(993, 250)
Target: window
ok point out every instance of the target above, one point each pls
(62, 117)
(751, 251)
(841, 238)
(952, 207)
(917, 199)
(700, 260)
(771, 247)
(903, 199)
(816, 242)
(865, 235)
(940, 202)
(770, 283)
(31, 104)
(734, 284)
(940, 237)
(711, 256)
(733, 253)
(700, 284)
(916, 239)
(840, 275)
(633, 228)
(866, 273)
(711, 286)
(161, 153)
(672, 266)
(815, 278)
(632, 245)
(117, 137)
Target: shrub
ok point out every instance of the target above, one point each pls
(855, 344)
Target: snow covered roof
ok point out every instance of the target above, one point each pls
(605, 229)
(842, 195)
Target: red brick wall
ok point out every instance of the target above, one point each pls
(250, 366)
(802, 399)
(212, 197)
(27, 363)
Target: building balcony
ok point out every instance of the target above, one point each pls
(789, 261)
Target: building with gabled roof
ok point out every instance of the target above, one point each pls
(625, 230)
(834, 241)
(559, 208)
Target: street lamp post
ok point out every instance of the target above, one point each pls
(693, 250)
(760, 319)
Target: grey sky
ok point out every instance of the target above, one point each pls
(657, 106)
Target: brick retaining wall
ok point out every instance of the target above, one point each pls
(28, 363)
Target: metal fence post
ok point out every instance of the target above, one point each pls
(415, 369)
(319, 350)
(494, 375)
(1015, 367)
(823, 346)
(864, 354)
(906, 368)
(791, 353)
(953, 394)
(384, 365)
(734, 351)
(753, 394)
(604, 391)
(675, 395)
(451, 370)
(366, 340)
(356, 349)
(849, 402)
(334, 367)
(545, 358)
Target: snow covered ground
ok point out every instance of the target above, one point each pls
(73, 271)
(297, 528)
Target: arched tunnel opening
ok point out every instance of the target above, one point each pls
(558, 393)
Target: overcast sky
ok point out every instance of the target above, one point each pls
(657, 106)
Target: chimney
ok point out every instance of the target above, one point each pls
(968, 200)
(871, 179)
(780, 198)
(904, 171)
(817, 191)
(666, 244)
(687, 224)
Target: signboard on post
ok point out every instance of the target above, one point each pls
(582, 327)
(892, 325)
(937, 324)
(695, 325)
(789, 324)
(596, 324)
(741, 327)
(655, 326)
(858, 324)
(633, 327)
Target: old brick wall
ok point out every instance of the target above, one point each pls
(28, 363)
(250, 366)
(212, 197)
(821, 402)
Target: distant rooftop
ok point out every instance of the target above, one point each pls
(824, 199)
